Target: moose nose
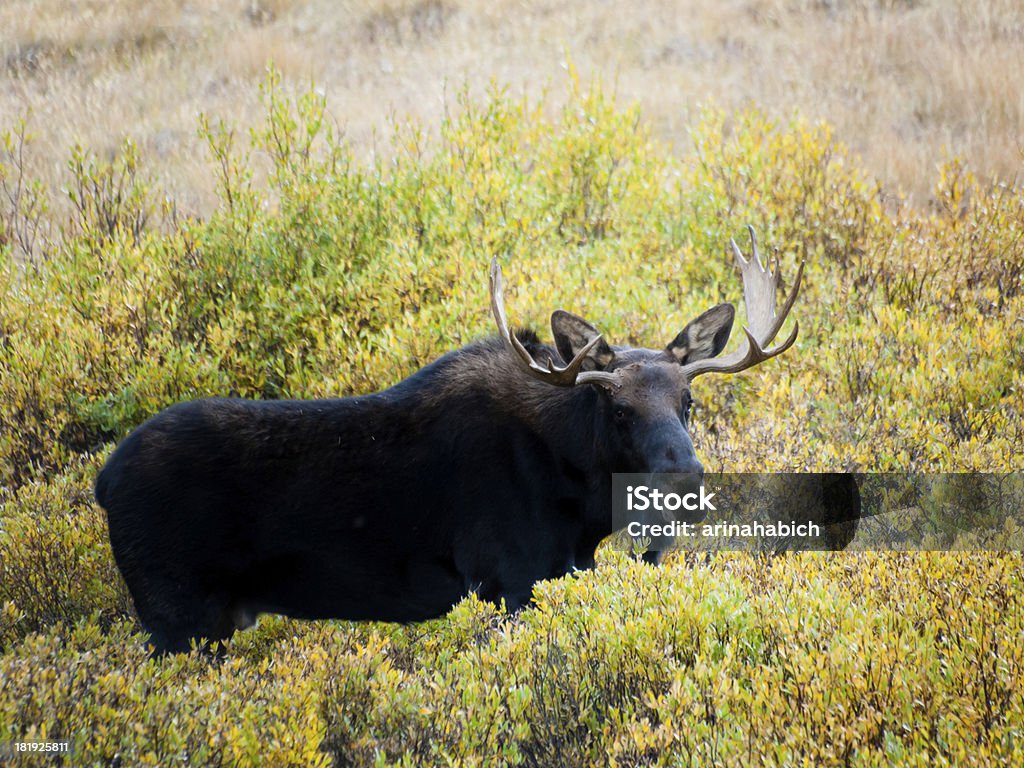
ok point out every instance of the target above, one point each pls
(670, 452)
(693, 469)
(674, 464)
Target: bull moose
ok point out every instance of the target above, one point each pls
(486, 471)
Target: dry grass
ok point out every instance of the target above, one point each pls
(906, 83)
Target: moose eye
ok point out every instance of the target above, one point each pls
(620, 413)
(687, 406)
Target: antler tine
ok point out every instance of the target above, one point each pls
(498, 310)
(604, 378)
(567, 376)
(763, 324)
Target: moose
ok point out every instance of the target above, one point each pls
(486, 471)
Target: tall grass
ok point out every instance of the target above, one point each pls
(906, 85)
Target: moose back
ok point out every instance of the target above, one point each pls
(486, 471)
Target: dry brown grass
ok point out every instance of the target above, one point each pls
(906, 83)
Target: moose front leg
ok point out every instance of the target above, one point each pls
(653, 557)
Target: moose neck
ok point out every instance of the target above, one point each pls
(564, 418)
(567, 419)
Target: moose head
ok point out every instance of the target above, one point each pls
(644, 394)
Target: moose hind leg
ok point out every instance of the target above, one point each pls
(203, 619)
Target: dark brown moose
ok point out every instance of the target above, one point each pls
(486, 471)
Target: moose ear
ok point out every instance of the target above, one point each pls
(704, 337)
(572, 333)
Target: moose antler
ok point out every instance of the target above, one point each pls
(759, 284)
(568, 376)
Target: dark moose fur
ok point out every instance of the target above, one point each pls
(469, 476)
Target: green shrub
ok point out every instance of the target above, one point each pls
(55, 558)
(321, 276)
(832, 660)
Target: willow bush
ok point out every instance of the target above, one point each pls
(321, 275)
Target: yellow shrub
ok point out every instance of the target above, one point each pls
(333, 278)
